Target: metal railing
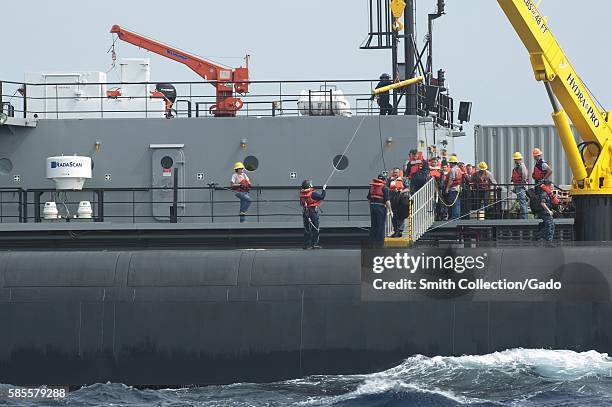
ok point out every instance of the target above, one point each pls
(206, 204)
(497, 202)
(421, 212)
(194, 99)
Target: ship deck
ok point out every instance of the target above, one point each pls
(233, 235)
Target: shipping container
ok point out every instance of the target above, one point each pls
(496, 144)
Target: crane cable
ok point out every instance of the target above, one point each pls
(111, 51)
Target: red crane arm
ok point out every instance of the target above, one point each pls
(224, 77)
(205, 69)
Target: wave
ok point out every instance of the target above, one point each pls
(516, 377)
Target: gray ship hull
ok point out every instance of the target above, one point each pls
(169, 318)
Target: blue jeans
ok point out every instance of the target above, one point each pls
(455, 210)
(245, 202)
(521, 198)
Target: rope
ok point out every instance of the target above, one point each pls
(468, 214)
(382, 149)
(293, 208)
(346, 149)
(442, 200)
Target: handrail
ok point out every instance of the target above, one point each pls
(269, 98)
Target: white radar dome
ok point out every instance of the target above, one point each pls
(69, 172)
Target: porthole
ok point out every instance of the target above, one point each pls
(340, 162)
(251, 163)
(167, 162)
(6, 166)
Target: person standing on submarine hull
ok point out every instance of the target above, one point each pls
(310, 200)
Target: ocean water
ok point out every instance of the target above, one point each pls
(517, 377)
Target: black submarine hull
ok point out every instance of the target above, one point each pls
(173, 318)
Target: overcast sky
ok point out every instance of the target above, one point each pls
(316, 39)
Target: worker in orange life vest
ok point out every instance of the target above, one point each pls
(435, 169)
(520, 177)
(466, 194)
(310, 201)
(378, 196)
(399, 188)
(415, 163)
(483, 181)
(542, 170)
(546, 228)
(453, 188)
(241, 184)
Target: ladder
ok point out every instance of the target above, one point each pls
(422, 214)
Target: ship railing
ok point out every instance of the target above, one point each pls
(500, 201)
(206, 204)
(76, 99)
(422, 210)
(497, 202)
(421, 213)
(214, 203)
(13, 208)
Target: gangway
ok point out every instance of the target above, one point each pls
(422, 216)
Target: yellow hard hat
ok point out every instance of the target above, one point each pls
(238, 165)
(518, 156)
(483, 166)
(536, 152)
(453, 159)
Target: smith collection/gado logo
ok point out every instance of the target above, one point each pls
(476, 274)
(68, 164)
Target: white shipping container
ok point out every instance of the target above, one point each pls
(82, 95)
(65, 95)
(496, 145)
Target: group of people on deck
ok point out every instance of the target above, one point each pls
(461, 188)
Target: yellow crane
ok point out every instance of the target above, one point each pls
(591, 160)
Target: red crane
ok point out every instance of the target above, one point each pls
(225, 80)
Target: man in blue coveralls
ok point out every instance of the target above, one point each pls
(379, 205)
(546, 228)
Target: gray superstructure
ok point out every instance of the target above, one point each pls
(127, 153)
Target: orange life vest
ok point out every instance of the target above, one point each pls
(243, 187)
(435, 172)
(457, 180)
(549, 191)
(517, 176)
(376, 190)
(415, 164)
(306, 198)
(483, 180)
(396, 184)
(538, 172)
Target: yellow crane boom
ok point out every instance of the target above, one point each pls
(592, 170)
(592, 166)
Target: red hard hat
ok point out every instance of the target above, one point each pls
(536, 152)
